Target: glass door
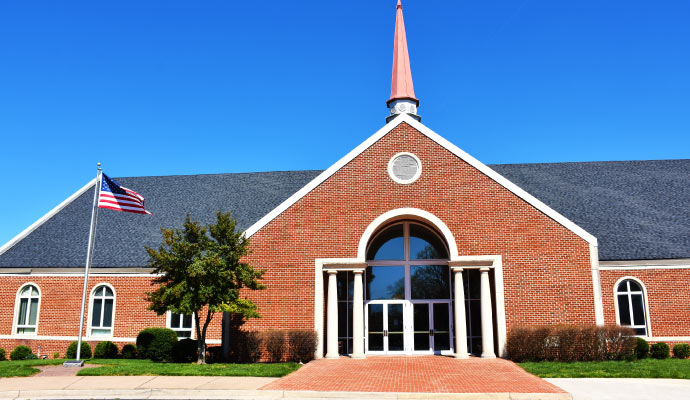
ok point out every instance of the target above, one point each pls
(431, 327)
(385, 327)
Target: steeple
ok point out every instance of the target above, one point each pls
(402, 98)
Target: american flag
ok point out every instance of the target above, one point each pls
(116, 197)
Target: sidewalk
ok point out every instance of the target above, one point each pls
(205, 387)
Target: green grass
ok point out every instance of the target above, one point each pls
(24, 367)
(122, 367)
(647, 368)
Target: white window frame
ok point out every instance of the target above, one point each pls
(15, 323)
(92, 298)
(168, 324)
(645, 298)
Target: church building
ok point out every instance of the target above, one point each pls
(406, 245)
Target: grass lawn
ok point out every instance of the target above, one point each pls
(147, 367)
(647, 368)
(24, 367)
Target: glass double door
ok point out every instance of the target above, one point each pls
(404, 327)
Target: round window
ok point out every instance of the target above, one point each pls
(404, 168)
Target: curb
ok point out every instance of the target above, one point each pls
(266, 394)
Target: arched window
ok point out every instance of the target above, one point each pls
(631, 306)
(28, 301)
(102, 311)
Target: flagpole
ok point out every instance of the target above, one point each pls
(89, 257)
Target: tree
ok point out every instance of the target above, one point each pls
(201, 268)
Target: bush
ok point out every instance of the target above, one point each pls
(570, 343)
(22, 353)
(214, 354)
(56, 355)
(3, 357)
(185, 350)
(105, 349)
(129, 351)
(660, 351)
(681, 350)
(72, 350)
(302, 344)
(641, 349)
(156, 344)
(245, 347)
(274, 341)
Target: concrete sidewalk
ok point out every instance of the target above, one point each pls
(205, 387)
(624, 388)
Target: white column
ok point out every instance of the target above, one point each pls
(332, 316)
(358, 317)
(487, 320)
(460, 319)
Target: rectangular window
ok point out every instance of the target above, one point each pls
(345, 281)
(181, 324)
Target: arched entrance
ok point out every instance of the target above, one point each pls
(408, 303)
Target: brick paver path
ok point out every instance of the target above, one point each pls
(425, 374)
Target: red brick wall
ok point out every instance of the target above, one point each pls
(61, 301)
(546, 266)
(667, 295)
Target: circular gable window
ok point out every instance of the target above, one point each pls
(404, 168)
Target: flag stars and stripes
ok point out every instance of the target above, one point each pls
(115, 197)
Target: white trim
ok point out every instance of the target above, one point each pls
(442, 142)
(88, 318)
(406, 213)
(642, 268)
(46, 217)
(15, 324)
(88, 338)
(631, 263)
(648, 321)
(596, 284)
(401, 181)
(669, 339)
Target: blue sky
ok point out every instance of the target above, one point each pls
(175, 87)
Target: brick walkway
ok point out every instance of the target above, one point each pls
(424, 374)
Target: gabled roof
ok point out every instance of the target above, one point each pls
(637, 209)
(405, 118)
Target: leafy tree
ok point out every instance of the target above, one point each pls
(201, 268)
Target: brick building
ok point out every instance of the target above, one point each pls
(406, 245)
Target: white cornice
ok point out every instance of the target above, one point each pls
(46, 217)
(536, 203)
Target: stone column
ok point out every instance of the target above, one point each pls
(460, 319)
(358, 316)
(332, 316)
(487, 320)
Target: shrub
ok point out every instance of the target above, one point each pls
(22, 353)
(3, 356)
(72, 350)
(245, 347)
(660, 351)
(214, 354)
(56, 355)
(105, 349)
(302, 344)
(274, 341)
(570, 343)
(641, 348)
(129, 351)
(681, 350)
(156, 344)
(185, 350)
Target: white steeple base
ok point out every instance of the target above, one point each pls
(403, 106)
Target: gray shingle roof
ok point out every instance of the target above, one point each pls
(637, 210)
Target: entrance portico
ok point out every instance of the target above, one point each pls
(410, 297)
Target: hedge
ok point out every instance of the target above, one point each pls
(22, 353)
(156, 344)
(641, 348)
(681, 350)
(72, 350)
(570, 343)
(660, 351)
(106, 349)
(129, 351)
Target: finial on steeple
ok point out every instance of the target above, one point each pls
(402, 98)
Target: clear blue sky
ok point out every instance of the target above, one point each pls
(173, 87)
